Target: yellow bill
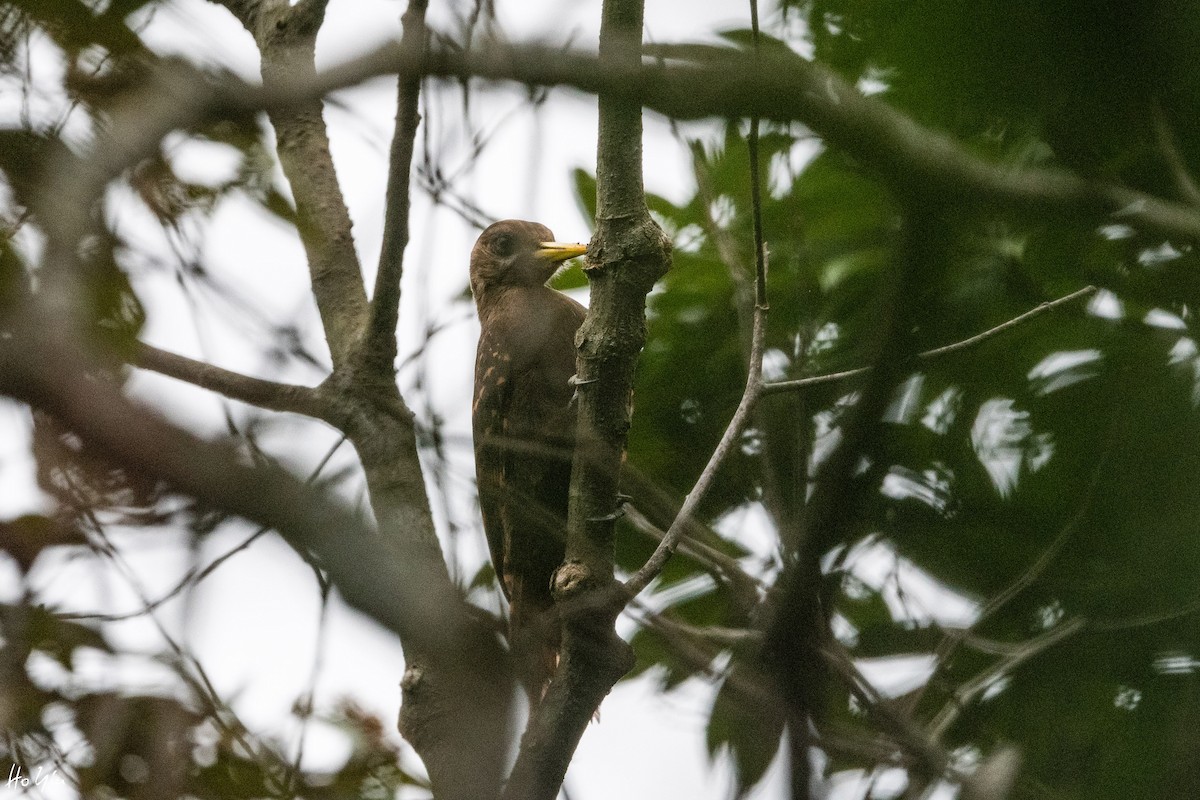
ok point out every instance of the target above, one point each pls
(559, 251)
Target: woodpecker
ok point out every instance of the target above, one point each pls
(523, 425)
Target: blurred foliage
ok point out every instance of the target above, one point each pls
(143, 745)
(1056, 458)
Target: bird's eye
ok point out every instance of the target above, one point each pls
(503, 245)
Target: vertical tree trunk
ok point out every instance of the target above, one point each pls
(626, 256)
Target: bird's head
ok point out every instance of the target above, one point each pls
(514, 252)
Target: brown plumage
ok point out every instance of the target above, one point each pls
(523, 424)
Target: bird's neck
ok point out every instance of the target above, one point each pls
(494, 297)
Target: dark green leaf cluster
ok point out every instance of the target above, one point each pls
(1047, 475)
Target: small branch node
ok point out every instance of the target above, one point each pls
(571, 579)
(613, 517)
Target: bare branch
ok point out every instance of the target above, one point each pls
(773, 387)
(234, 385)
(435, 713)
(626, 256)
(708, 557)
(934, 761)
(956, 637)
(1144, 620)
(49, 374)
(286, 38)
(666, 548)
(378, 348)
(713, 81)
(717, 82)
(197, 574)
(721, 637)
(970, 691)
(1168, 145)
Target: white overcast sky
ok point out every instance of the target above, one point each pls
(253, 623)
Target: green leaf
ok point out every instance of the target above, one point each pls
(748, 727)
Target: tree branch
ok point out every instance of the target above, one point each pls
(933, 760)
(286, 38)
(49, 373)
(950, 643)
(378, 347)
(234, 385)
(626, 256)
(452, 719)
(758, 334)
(666, 548)
(391, 580)
(746, 586)
(713, 82)
(970, 691)
(795, 616)
(774, 387)
(362, 342)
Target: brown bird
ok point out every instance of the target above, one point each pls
(523, 424)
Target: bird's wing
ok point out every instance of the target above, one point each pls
(493, 393)
(523, 424)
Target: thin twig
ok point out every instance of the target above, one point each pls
(217, 709)
(1144, 620)
(190, 580)
(306, 704)
(947, 647)
(697, 650)
(1168, 145)
(50, 373)
(974, 688)
(889, 718)
(196, 575)
(707, 556)
(774, 387)
(666, 548)
(754, 383)
(760, 247)
(719, 636)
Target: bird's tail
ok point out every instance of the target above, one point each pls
(534, 639)
(535, 648)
